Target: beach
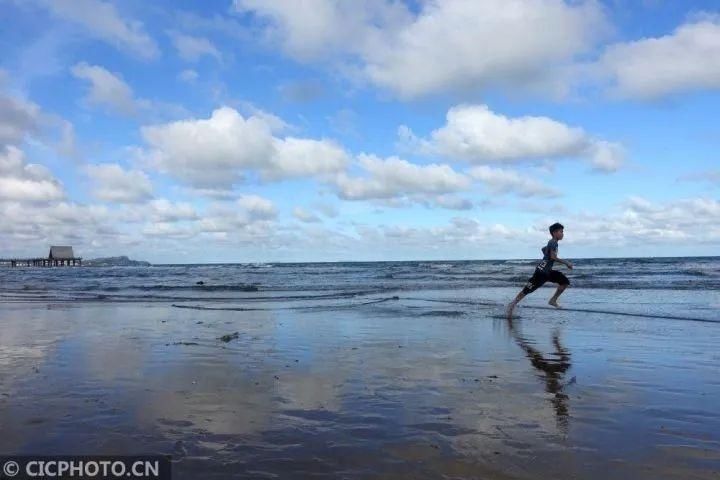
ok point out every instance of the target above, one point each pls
(360, 240)
(356, 382)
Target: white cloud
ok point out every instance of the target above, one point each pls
(18, 118)
(687, 59)
(640, 223)
(315, 30)
(303, 91)
(305, 216)
(163, 210)
(499, 181)
(193, 48)
(106, 88)
(215, 152)
(606, 156)
(250, 218)
(276, 124)
(109, 90)
(452, 202)
(189, 76)
(394, 177)
(215, 24)
(636, 228)
(459, 232)
(167, 230)
(257, 208)
(711, 176)
(345, 122)
(158, 210)
(442, 49)
(26, 182)
(441, 45)
(221, 193)
(67, 144)
(210, 152)
(53, 221)
(102, 20)
(296, 157)
(23, 121)
(89, 227)
(476, 134)
(327, 209)
(114, 184)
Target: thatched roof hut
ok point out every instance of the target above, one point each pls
(61, 253)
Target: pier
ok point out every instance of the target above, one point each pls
(59, 256)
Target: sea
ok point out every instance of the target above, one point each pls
(306, 284)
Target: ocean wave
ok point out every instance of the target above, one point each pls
(701, 273)
(288, 282)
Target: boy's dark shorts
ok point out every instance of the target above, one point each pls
(540, 277)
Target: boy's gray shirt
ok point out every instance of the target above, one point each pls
(547, 263)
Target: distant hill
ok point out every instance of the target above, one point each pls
(121, 261)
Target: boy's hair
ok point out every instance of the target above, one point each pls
(555, 226)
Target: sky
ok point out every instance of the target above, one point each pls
(337, 130)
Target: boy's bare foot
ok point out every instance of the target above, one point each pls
(554, 303)
(509, 310)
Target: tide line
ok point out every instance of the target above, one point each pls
(488, 303)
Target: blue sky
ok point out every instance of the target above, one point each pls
(273, 130)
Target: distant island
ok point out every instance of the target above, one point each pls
(121, 261)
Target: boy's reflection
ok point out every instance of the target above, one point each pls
(553, 369)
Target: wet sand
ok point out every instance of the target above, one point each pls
(403, 388)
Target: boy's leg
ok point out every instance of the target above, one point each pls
(519, 297)
(558, 292)
(562, 282)
(512, 304)
(533, 284)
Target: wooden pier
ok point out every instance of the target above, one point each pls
(58, 257)
(41, 262)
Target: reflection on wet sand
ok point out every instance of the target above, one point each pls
(552, 368)
(394, 390)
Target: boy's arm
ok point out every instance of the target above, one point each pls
(553, 255)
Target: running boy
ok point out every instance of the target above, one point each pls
(544, 271)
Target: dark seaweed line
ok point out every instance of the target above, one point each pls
(628, 314)
(582, 310)
(311, 307)
(109, 298)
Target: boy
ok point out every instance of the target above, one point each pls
(544, 271)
